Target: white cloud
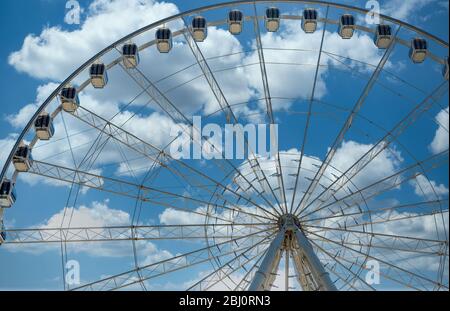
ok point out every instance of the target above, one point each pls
(441, 139)
(175, 217)
(432, 227)
(384, 165)
(152, 128)
(428, 188)
(394, 252)
(301, 49)
(20, 119)
(60, 52)
(6, 144)
(155, 255)
(97, 215)
(423, 227)
(404, 10)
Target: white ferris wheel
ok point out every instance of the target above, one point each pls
(310, 217)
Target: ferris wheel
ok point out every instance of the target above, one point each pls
(353, 199)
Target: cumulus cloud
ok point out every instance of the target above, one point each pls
(423, 227)
(428, 188)
(441, 139)
(96, 215)
(434, 227)
(6, 144)
(293, 46)
(24, 115)
(385, 164)
(74, 135)
(383, 246)
(60, 51)
(404, 10)
(171, 216)
(51, 50)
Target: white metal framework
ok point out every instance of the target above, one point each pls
(318, 217)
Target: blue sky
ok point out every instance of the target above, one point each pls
(42, 51)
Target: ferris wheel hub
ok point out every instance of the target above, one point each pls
(288, 222)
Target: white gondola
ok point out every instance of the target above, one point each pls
(22, 159)
(418, 50)
(383, 36)
(7, 194)
(346, 26)
(272, 19)
(99, 75)
(43, 126)
(445, 71)
(199, 29)
(163, 40)
(235, 22)
(69, 99)
(309, 21)
(130, 53)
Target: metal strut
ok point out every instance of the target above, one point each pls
(263, 279)
(311, 273)
(319, 274)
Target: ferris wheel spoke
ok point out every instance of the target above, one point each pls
(340, 58)
(349, 279)
(385, 219)
(174, 264)
(268, 99)
(227, 269)
(127, 189)
(393, 90)
(308, 118)
(395, 272)
(379, 147)
(344, 279)
(354, 263)
(334, 258)
(152, 152)
(155, 94)
(347, 125)
(384, 240)
(130, 233)
(225, 106)
(174, 113)
(388, 183)
(97, 147)
(392, 243)
(384, 214)
(245, 282)
(401, 281)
